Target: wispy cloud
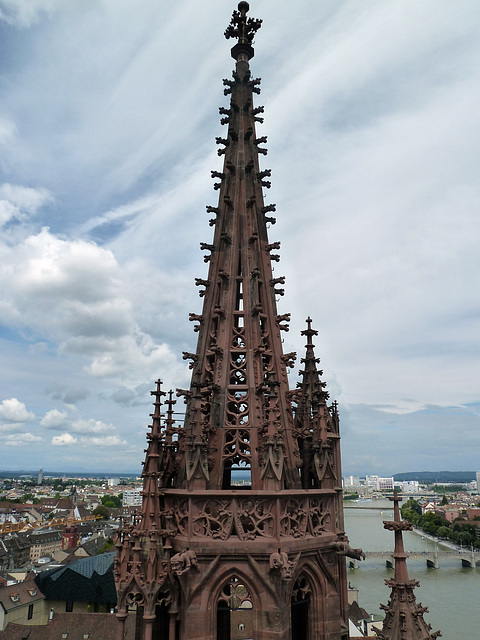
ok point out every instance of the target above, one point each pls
(104, 178)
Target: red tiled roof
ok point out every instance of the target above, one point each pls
(94, 626)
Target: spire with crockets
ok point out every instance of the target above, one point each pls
(403, 615)
(241, 527)
(238, 424)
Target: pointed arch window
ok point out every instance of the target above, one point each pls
(300, 609)
(235, 611)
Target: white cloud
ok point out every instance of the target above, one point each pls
(64, 440)
(127, 357)
(54, 419)
(7, 212)
(24, 13)
(105, 441)
(90, 426)
(12, 410)
(24, 198)
(93, 315)
(21, 439)
(17, 202)
(7, 130)
(376, 183)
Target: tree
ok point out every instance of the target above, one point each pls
(444, 532)
(444, 500)
(112, 502)
(101, 511)
(107, 546)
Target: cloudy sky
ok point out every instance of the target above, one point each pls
(108, 114)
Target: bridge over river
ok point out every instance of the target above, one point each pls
(467, 557)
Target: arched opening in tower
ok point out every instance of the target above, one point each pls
(300, 609)
(234, 612)
(223, 620)
(161, 622)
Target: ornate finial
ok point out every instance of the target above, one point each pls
(244, 29)
(309, 332)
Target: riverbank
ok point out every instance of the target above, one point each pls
(439, 541)
(450, 592)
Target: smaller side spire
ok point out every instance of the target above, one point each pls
(150, 514)
(403, 616)
(316, 424)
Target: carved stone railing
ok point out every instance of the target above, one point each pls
(245, 516)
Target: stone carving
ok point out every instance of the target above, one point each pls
(279, 562)
(250, 518)
(183, 562)
(318, 516)
(293, 518)
(214, 519)
(254, 518)
(344, 549)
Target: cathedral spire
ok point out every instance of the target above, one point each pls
(403, 616)
(235, 538)
(238, 424)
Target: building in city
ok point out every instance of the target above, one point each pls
(379, 484)
(351, 481)
(44, 544)
(132, 498)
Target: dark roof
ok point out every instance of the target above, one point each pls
(357, 613)
(44, 536)
(86, 580)
(15, 542)
(93, 546)
(96, 626)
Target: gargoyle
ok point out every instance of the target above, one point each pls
(183, 562)
(279, 561)
(344, 549)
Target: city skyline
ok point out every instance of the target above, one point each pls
(104, 179)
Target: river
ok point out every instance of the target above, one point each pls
(451, 592)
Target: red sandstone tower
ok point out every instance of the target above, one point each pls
(241, 532)
(70, 537)
(403, 616)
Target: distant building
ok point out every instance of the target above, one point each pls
(410, 486)
(40, 477)
(113, 482)
(478, 481)
(379, 484)
(70, 537)
(132, 498)
(351, 481)
(44, 544)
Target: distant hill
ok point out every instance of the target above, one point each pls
(436, 476)
(59, 474)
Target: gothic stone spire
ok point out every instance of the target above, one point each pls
(238, 419)
(234, 535)
(403, 616)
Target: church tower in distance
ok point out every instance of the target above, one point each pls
(241, 532)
